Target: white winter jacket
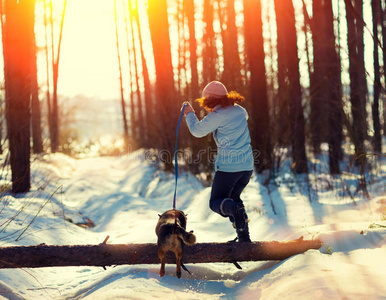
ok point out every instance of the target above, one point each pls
(231, 134)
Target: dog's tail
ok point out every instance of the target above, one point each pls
(188, 237)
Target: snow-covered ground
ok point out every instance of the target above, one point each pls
(123, 196)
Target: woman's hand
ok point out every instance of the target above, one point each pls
(188, 108)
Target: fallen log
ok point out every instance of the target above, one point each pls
(129, 254)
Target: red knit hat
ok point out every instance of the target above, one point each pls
(214, 89)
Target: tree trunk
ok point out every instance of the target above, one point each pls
(289, 82)
(319, 83)
(129, 254)
(306, 31)
(55, 77)
(377, 142)
(209, 51)
(355, 48)
(134, 109)
(189, 10)
(334, 92)
(326, 88)
(282, 127)
(2, 101)
(383, 26)
(19, 38)
(48, 93)
(182, 45)
(123, 104)
(1, 123)
(134, 128)
(360, 23)
(141, 125)
(231, 76)
(53, 111)
(259, 110)
(149, 109)
(272, 73)
(166, 106)
(35, 106)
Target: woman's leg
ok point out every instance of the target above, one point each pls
(228, 185)
(222, 187)
(240, 185)
(225, 186)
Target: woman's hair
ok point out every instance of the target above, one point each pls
(208, 103)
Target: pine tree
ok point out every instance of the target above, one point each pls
(166, 107)
(354, 14)
(18, 49)
(259, 110)
(377, 142)
(289, 83)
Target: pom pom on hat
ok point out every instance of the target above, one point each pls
(214, 89)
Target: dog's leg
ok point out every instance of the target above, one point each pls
(162, 270)
(161, 255)
(178, 261)
(178, 253)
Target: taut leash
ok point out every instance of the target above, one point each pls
(175, 156)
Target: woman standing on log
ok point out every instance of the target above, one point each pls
(234, 162)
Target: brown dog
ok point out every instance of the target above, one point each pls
(171, 232)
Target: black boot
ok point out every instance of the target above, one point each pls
(232, 220)
(241, 222)
(237, 214)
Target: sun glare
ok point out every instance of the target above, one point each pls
(88, 57)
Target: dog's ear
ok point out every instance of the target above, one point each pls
(159, 215)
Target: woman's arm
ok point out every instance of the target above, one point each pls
(201, 128)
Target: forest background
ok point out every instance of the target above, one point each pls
(312, 73)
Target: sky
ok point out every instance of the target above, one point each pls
(88, 61)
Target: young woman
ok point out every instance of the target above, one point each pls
(227, 120)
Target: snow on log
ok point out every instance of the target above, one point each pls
(129, 254)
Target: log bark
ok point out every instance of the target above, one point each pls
(129, 254)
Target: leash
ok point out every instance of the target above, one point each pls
(176, 173)
(175, 156)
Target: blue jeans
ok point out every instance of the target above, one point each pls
(227, 185)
